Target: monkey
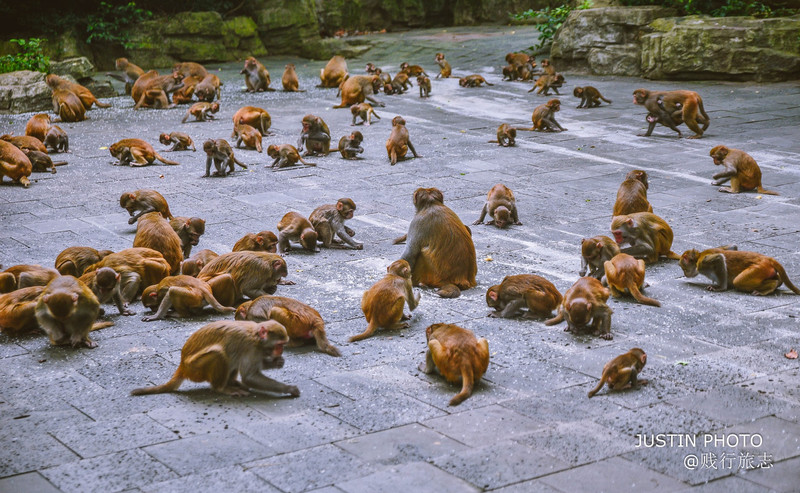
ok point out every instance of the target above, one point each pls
(194, 264)
(412, 70)
(517, 58)
(334, 73)
(201, 111)
(383, 76)
(683, 106)
(265, 241)
(371, 69)
(179, 140)
(748, 272)
(237, 274)
(137, 267)
(358, 88)
(595, 252)
(105, 284)
(85, 95)
(144, 201)
(24, 142)
(220, 351)
(185, 295)
(457, 355)
(38, 125)
(501, 207)
(285, 155)
(315, 136)
(506, 135)
(256, 76)
(249, 136)
(650, 236)
(208, 88)
(445, 69)
(399, 143)
(56, 140)
(350, 146)
(68, 106)
(583, 303)
(328, 221)
(546, 82)
(383, 303)
(510, 73)
(303, 323)
(190, 69)
(73, 261)
(424, 84)
(153, 91)
(365, 112)
(136, 152)
(130, 72)
(294, 227)
(18, 310)
(740, 168)
(153, 231)
(439, 246)
(289, 79)
(220, 152)
(400, 83)
(186, 92)
(257, 118)
(544, 117)
(25, 275)
(473, 80)
(547, 67)
(590, 97)
(625, 274)
(622, 372)
(632, 194)
(41, 161)
(530, 291)
(189, 230)
(525, 72)
(14, 164)
(67, 310)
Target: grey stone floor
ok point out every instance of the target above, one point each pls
(369, 421)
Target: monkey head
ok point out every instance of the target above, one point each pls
(502, 217)
(191, 267)
(279, 268)
(289, 66)
(376, 83)
(241, 312)
(250, 63)
(370, 68)
(388, 89)
(688, 262)
(580, 311)
(121, 63)
(639, 175)
(554, 105)
(577, 92)
(404, 66)
(640, 96)
(60, 304)
(209, 146)
(510, 58)
(214, 107)
(272, 337)
(150, 297)
(424, 197)
(545, 62)
(591, 249)
(196, 227)
(400, 268)
(346, 206)
(309, 240)
(438, 57)
(268, 241)
(493, 296)
(357, 138)
(621, 227)
(718, 154)
(398, 120)
(105, 280)
(640, 355)
(272, 151)
(462, 82)
(164, 139)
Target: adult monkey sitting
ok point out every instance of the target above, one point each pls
(671, 108)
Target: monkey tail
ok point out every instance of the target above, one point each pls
(62, 163)
(467, 381)
(240, 163)
(703, 112)
(525, 129)
(101, 325)
(101, 105)
(163, 159)
(171, 386)
(782, 273)
(760, 190)
(305, 162)
(604, 99)
(208, 296)
(557, 319)
(597, 389)
(638, 296)
(672, 255)
(399, 239)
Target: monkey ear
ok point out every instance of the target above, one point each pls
(277, 264)
(132, 196)
(599, 245)
(644, 358)
(263, 332)
(74, 297)
(339, 206)
(568, 306)
(259, 240)
(629, 222)
(154, 294)
(493, 295)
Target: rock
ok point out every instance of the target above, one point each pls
(290, 27)
(100, 88)
(78, 67)
(24, 91)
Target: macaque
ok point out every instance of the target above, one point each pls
(515, 293)
(546, 82)
(153, 231)
(740, 168)
(544, 117)
(186, 92)
(219, 152)
(748, 272)
(41, 161)
(68, 106)
(315, 136)
(249, 136)
(457, 355)
(424, 84)
(38, 125)
(14, 164)
(185, 295)
(289, 79)
(23, 142)
(439, 246)
(104, 283)
(189, 230)
(632, 194)
(590, 97)
(208, 88)
(650, 236)
(334, 73)
(412, 70)
(501, 207)
(383, 303)
(506, 135)
(56, 140)
(190, 69)
(130, 72)
(622, 372)
(136, 152)
(85, 95)
(256, 76)
(74, 261)
(510, 73)
(303, 323)
(625, 274)
(179, 140)
(137, 267)
(152, 90)
(673, 108)
(399, 142)
(201, 112)
(350, 146)
(194, 264)
(257, 118)
(400, 84)
(237, 274)
(365, 112)
(585, 303)
(25, 275)
(294, 227)
(328, 221)
(67, 310)
(358, 88)
(473, 80)
(444, 67)
(220, 351)
(18, 310)
(144, 201)
(285, 155)
(265, 241)
(595, 252)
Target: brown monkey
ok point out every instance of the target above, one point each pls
(383, 303)
(400, 83)
(56, 140)
(136, 152)
(153, 231)
(519, 58)
(190, 69)
(25, 275)
(412, 70)
(105, 284)
(73, 261)
(303, 323)
(315, 136)
(530, 291)
(219, 152)
(510, 73)
(506, 135)
(257, 118)
(130, 72)
(85, 95)
(749, 272)
(38, 125)
(625, 274)
(220, 351)
(208, 88)
(265, 241)
(623, 371)
(547, 67)
(457, 355)
(334, 73)
(189, 230)
(185, 295)
(237, 274)
(138, 268)
(294, 227)
(673, 108)
(18, 310)
(144, 201)
(249, 136)
(194, 264)
(650, 236)
(546, 82)
(444, 67)
(41, 161)
(285, 155)
(544, 117)
(399, 142)
(201, 112)
(740, 168)
(595, 252)
(501, 207)
(424, 84)
(14, 164)
(632, 194)
(289, 79)
(68, 106)
(365, 112)
(439, 246)
(67, 310)
(328, 221)
(256, 76)
(473, 80)
(25, 142)
(350, 146)
(371, 69)
(179, 140)
(152, 90)
(358, 88)
(585, 303)
(590, 97)
(186, 92)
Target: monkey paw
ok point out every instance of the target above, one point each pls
(293, 391)
(494, 315)
(607, 336)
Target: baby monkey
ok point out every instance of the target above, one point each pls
(350, 145)
(179, 140)
(622, 371)
(363, 111)
(219, 152)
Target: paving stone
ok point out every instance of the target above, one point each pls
(23, 483)
(400, 445)
(483, 426)
(781, 477)
(229, 479)
(105, 437)
(729, 485)
(777, 437)
(579, 442)
(297, 431)
(413, 476)
(34, 451)
(220, 449)
(732, 404)
(629, 476)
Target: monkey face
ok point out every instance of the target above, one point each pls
(492, 296)
(688, 263)
(639, 96)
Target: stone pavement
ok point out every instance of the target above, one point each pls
(370, 421)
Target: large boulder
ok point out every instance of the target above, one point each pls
(24, 91)
(290, 27)
(78, 67)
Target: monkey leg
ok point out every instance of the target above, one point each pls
(539, 303)
(512, 309)
(129, 283)
(253, 378)
(428, 366)
(692, 124)
(138, 157)
(759, 279)
(325, 233)
(602, 323)
(212, 365)
(624, 378)
(734, 188)
(224, 289)
(449, 291)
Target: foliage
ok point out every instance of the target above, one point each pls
(550, 20)
(31, 57)
(111, 23)
(724, 8)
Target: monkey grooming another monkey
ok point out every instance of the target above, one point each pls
(585, 303)
(748, 272)
(590, 97)
(237, 274)
(383, 303)
(67, 310)
(194, 264)
(179, 140)
(256, 76)
(622, 372)
(399, 142)
(649, 236)
(219, 152)
(152, 90)
(457, 355)
(632, 194)
(506, 135)
(220, 351)
(740, 168)
(350, 146)
(595, 252)
(136, 152)
(625, 274)
(501, 207)
(285, 155)
(185, 295)
(201, 111)
(294, 227)
(363, 111)
(144, 201)
(190, 69)
(328, 221)
(208, 88)
(530, 291)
